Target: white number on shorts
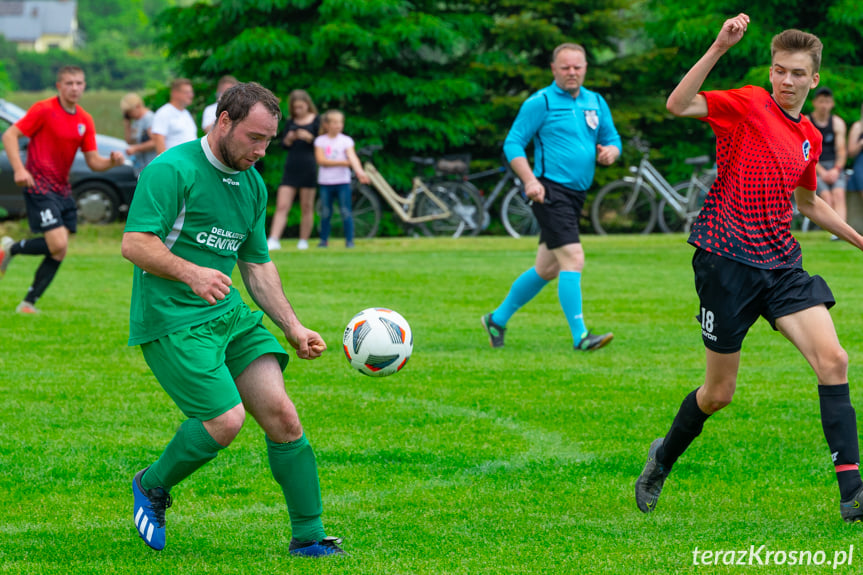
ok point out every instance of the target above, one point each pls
(707, 320)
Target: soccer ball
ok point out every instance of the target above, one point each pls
(378, 342)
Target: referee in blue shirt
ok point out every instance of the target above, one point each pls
(572, 130)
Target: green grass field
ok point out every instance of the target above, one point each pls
(471, 460)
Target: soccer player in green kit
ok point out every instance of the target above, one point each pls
(198, 212)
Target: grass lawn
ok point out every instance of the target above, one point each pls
(471, 460)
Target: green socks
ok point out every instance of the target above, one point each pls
(190, 449)
(294, 468)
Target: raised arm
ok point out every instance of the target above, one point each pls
(685, 100)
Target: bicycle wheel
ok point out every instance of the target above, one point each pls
(669, 220)
(366, 213)
(465, 206)
(621, 208)
(516, 214)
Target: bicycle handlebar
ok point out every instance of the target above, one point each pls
(368, 151)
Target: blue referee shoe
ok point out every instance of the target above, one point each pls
(149, 512)
(322, 548)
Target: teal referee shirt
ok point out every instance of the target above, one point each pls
(565, 132)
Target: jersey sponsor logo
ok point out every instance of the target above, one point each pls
(806, 149)
(81, 129)
(47, 217)
(221, 239)
(230, 182)
(592, 119)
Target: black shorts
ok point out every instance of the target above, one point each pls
(46, 212)
(558, 215)
(733, 295)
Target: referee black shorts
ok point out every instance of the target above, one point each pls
(559, 214)
(733, 295)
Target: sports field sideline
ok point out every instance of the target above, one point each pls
(471, 460)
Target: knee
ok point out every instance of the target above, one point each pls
(715, 403)
(58, 248)
(58, 252)
(225, 428)
(307, 204)
(832, 366)
(286, 427)
(547, 271)
(712, 399)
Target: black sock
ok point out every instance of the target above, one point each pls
(44, 275)
(685, 428)
(839, 421)
(34, 247)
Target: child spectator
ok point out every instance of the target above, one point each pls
(334, 152)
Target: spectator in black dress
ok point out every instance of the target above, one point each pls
(301, 170)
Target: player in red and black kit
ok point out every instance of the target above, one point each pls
(747, 264)
(57, 128)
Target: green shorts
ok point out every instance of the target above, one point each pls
(196, 366)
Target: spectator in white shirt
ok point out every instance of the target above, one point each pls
(173, 124)
(209, 117)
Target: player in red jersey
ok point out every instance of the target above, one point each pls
(57, 128)
(747, 264)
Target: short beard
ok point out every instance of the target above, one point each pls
(227, 158)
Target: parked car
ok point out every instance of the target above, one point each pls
(101, 196)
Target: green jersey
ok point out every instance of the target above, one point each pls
(205, 213)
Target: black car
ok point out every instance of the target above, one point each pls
(101, 196)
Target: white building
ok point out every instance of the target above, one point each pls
(40, 25)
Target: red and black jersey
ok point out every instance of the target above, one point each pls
(55, 137)
(762, 156)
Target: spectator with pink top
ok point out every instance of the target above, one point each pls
(336, 157)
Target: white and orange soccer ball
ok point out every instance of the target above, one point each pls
(378, 342)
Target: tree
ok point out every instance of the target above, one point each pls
(100, 17)
(421, 77)
(683, 31)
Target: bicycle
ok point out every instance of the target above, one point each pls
(437, 207)
(515, 212)
(634, 204)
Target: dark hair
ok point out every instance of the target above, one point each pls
(72, 70)
(238, 100)
(798, 41)
(823, 91)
